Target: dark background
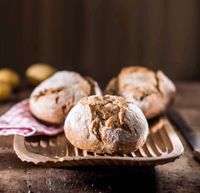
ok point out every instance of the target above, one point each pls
(98, 37)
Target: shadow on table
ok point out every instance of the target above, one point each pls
(73, 180)
(136, 179)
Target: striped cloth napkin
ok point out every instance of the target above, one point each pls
(19, 120)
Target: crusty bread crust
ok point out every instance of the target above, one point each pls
(106, 124)
(151, 91)
(95, 89)
(52, 99)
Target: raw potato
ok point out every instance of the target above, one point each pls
(10, 77)
(5, 91)
(38, 73)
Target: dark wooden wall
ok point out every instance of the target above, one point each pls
(98, 37)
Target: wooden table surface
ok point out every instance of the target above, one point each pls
(180, 176)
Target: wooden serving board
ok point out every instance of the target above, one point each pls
(162, 146)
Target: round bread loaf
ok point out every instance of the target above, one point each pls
(52, 99)
(151, 91)
(106, 124)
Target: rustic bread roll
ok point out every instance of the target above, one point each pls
(151, 91)
(52, 99)
(94, 87)
(106, 124)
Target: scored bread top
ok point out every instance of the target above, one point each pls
(59, 81)
(151, 91)
(106, 124)
(52, 99)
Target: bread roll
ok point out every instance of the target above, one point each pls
(151, 91)
(106, 124)
(52, 99)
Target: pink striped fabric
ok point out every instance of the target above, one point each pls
(19, 120)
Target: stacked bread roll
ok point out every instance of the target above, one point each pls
(114, 123)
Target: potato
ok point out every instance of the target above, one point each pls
(10, 77)
(37, 73)
(5, 91)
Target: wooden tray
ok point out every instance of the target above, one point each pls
(162, 146)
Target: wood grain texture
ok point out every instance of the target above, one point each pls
(98, 37)
(181, 176)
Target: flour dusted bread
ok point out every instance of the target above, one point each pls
(106, 124)
(52, 99)
(151, 91)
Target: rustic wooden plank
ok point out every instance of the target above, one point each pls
(183, 175)
(180, 176)
(188, 94)
(88, 180)
(99, 37)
